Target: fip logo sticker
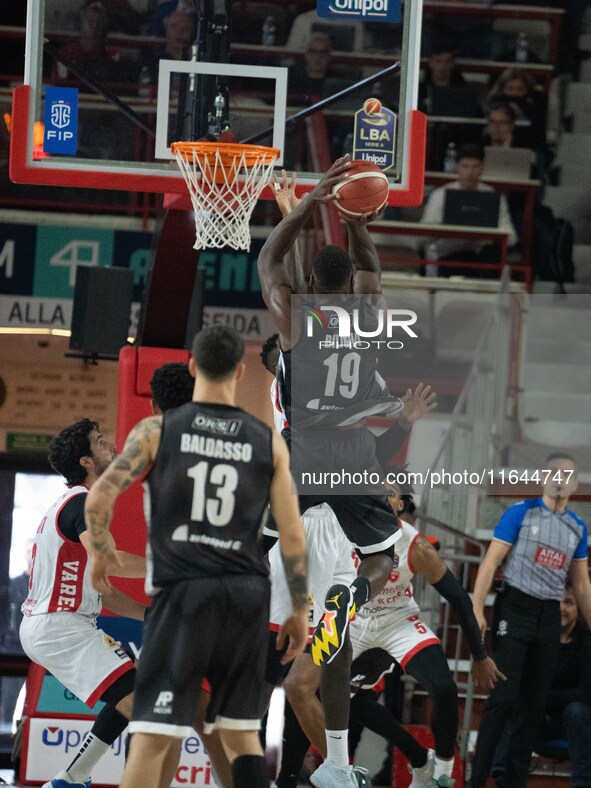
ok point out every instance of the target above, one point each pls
(366, 10)
(61, 120)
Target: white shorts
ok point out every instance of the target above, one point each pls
(83, 658)
(329, 562)
(401, 633)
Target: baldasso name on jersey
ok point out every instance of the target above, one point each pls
(216, 425)
(216, 448)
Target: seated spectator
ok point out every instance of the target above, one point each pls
(501, 130)
(568, 708)
(179, 34)
(551, 255)
(469, 171)
(441, 72)
(90, 52)
(347, 36)
(500, 126)
(312, 79)
(443, 91)
(309, 81)
(516, 87)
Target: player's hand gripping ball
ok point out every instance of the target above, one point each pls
(363, 190)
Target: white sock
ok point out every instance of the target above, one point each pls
(337, 747)
(443, 767)
(88, 756)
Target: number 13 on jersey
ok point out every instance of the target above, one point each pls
(217, 511)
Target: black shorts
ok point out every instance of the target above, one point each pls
(369, 667)
(203, 628)
(366, 519)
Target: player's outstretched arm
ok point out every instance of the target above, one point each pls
(122, 605)
(427, 562)
(416, 405)
(134, 461)
(363, 253)
(297, 265)
(119, 562)
(294, 551)
(130, 565)
(283, 237)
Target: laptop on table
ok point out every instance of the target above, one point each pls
(471, 208)
(507, 163)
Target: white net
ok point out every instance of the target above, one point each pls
(224, 181)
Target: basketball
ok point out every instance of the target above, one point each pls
(372, 106)
(363, 190)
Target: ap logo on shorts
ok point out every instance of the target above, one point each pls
(503, 627)
(164, 703)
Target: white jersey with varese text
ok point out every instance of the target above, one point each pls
(396, 595)
(391, 620)
(60, 577)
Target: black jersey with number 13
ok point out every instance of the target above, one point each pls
(206, 495)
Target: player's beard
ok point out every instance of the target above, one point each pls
(100, 466)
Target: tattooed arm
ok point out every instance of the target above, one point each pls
(135, 461)
(120, 564)
(294, 551)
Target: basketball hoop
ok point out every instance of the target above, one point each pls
(225, 180)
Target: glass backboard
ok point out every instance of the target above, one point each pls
(103, 98)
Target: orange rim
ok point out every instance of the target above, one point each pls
(228, 151)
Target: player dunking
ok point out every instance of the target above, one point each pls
(211, 469)
(338, 431)
(330, 562)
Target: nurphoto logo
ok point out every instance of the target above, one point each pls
(389, 324)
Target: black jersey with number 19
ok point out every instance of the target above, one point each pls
(331, 380)
(206, 495)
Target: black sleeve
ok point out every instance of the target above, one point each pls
(458, 598)
(389, 443)
(71, 518)
(269, 542)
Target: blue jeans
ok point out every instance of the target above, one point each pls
(573, 726)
